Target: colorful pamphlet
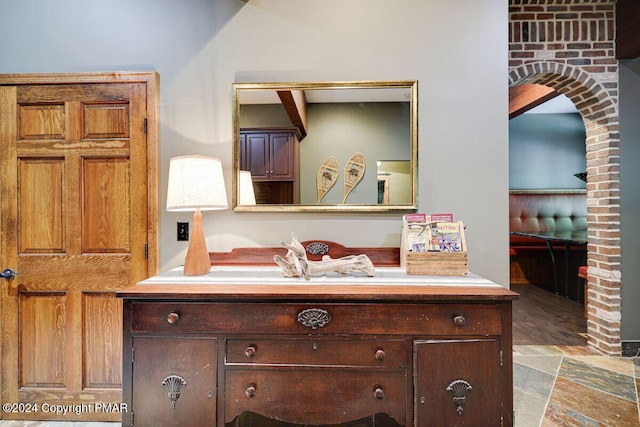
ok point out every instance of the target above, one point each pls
(449, 238)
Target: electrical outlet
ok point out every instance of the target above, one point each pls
(183, 231)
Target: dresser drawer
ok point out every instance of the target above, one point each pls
(326, 396)
(431, 319)
(320, 352)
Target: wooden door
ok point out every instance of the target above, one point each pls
(74, 204)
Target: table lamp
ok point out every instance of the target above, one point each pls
(246, 195)
(196, 184)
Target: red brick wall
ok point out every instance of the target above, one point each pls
(570, 45)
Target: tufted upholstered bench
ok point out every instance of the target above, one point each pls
(540, 211)
(545, 211)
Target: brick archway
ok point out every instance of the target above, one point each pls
(600, 116)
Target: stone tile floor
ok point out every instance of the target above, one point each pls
(560, 386)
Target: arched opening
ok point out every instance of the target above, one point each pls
(599, 114)
(547, 218)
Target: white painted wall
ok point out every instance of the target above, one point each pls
(457, 50)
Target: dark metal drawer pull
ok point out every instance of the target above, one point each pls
(460, 389)
(250, 391)
(250, 351)
(314, 318)
(378, 392)
(459, 320)
(174, 384)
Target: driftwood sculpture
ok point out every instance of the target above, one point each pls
(296, 264)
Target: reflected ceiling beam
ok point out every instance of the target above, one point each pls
(523, 98)
(295, 104)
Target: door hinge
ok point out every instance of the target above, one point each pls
(146, 251)
(501, 358)
(144, 125)
(133, 355)
(501, 421)
(132, 418)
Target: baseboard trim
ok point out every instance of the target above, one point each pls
(630, 348)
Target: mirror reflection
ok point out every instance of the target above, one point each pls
(341, 146)
(394, 182)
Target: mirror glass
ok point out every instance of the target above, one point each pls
(327, 146)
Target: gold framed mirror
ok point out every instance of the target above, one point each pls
(325, 146)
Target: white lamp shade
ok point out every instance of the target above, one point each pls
(196, 182)
(246, 195)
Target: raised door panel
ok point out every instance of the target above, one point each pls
(102, 363)
(105, 194)
(41, 199)
(43, 352)
(106, 120)
(258, 156)
(282, 166)
(174, 381)
(41, 121)
(458, 382)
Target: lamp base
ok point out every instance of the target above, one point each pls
(197, 261)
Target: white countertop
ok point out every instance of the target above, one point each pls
(272, 276)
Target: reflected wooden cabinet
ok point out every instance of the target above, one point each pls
(269, 156)
(272, 159)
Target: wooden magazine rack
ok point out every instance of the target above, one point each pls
(433, 263)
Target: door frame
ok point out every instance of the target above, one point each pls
(151, 79)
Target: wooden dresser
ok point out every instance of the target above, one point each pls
(243, 346)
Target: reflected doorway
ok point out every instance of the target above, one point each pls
(394, 182)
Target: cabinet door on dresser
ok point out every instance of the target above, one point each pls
(458, 382)
(174, 381)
